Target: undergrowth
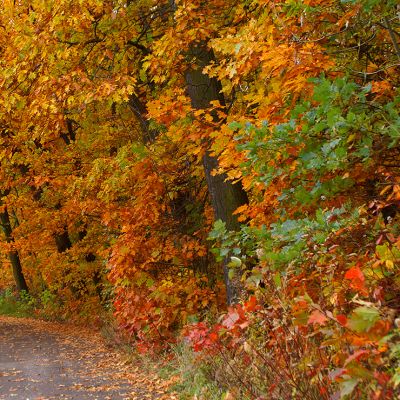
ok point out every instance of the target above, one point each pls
(197, 380)
(189, 378)
(21, 305)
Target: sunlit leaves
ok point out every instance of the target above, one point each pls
(101, 143)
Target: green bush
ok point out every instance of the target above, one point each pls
(21, 305)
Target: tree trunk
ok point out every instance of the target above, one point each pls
(13, 254)
(225, 196)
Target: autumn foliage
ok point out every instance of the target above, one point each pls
(104, 156)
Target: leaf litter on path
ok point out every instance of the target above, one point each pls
(41, 360)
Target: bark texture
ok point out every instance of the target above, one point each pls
(225, 196)
(13, 254)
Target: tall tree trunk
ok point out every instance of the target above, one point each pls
(13, 254)
(225, 196)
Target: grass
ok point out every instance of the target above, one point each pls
(16, 305)
(196, 379)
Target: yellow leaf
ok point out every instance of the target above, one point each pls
(384, 190)
(389, 264)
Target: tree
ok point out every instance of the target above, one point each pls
(226, 197)
(12, 253)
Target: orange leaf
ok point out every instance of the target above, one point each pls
(356, 276)
(251, 304)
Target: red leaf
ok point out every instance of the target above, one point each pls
(354, 273)
(251, 304)
(379, 241)
(356, 276)
(244, 324)
(213, 337)
(382, 377)
(317, 317)
(342, 319)
(356, 356)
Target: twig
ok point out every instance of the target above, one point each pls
(393, 37)
(376, 72)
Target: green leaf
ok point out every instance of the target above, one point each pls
(224, 252)
(396, 378)
(347, 387)
(235, 262)
(363, 319)
(277, 279)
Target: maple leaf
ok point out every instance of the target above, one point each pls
(317, 317)
(356, 356)
(342, 319)
(230, 320)
(357, 279)
(251, 304)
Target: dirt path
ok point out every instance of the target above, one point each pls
(41, 360)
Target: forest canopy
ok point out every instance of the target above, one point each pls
(224, 171)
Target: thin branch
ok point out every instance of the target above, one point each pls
(393, 37)
(375, 72)
(90, 41)
(139, 46)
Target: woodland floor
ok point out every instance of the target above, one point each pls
(42, 360)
